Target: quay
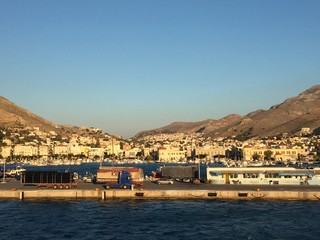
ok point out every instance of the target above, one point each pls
(158, 194)
(15, 190)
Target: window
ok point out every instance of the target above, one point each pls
(213, 174)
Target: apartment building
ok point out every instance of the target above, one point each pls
(6, 151)
(210, 151)
(43, 150)
(96, 152)
(172, 154)
(61, 149)
(132, 153)
(279, 154)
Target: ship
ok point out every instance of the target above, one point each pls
(264, 175)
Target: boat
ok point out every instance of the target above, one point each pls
(264, 175)
(16, 172)
(255, 164)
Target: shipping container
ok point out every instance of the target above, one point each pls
(106, 174)
(50, 179)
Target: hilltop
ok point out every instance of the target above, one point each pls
(302, 111)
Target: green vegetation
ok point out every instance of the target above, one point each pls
(267, 154)
(255, 156)
(243, 136)
(316, 131)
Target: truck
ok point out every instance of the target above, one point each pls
(50, 179)
(181, 172)
(109, 174)
(124, 181)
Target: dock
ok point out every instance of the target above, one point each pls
(15, 190)
(159, 194)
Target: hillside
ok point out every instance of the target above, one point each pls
(13, 115)
(206, 126)
(302, 111)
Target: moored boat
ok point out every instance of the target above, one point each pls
(15, 172)
(264, 175)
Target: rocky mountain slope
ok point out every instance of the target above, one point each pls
(302, 111)
(13, 115)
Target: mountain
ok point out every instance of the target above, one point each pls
(13, 115)
(302, 111)
(206, 126)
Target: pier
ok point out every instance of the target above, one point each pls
(158, 194)
(175, 191)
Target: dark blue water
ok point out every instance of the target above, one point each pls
(156, 219)
(93, 167)
(144, 219)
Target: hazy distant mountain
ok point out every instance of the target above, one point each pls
(13, 115)
(302, 111)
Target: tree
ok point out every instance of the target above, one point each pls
(255, 156)
(316, 131)
(243, 136)
(139, 154)
(267, 154)
(149, 158)
(234, 153)
(1, 135)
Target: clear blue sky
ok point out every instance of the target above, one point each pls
(128, 66)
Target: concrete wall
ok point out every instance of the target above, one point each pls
(159, 194)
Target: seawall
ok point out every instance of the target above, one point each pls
(160, 194)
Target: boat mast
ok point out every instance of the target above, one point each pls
(4, 171)
(112, 152)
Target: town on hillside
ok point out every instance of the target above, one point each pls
(30, 145)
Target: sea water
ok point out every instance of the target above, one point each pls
(159, 219)
(156, 219)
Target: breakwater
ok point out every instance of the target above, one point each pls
(160, 194)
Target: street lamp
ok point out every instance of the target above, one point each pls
(4, 171)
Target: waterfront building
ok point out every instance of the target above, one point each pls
(93, 152)
(210, 151)
(172, 154)
(61, 149)
(26, 151)
(279, 154)
(75, 149)
(6, 151)
(132, 153)
(114, 148)
(43, 150)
